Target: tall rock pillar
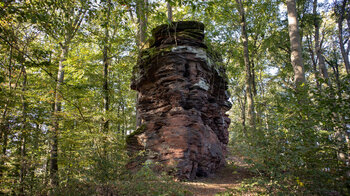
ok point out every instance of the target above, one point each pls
(183, 99)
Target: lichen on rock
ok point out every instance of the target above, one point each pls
(202, 84)
(182, 99)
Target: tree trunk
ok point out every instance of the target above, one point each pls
(254, 90)
(4, 124)
(56, 118)
(5, 130)
(314, 61)
(335, 68)
(249, 76)
(106, 63)
(321, 61)
(170, 12)
(142, 22)
(295, 44)
(344, 52)
(105, 89)
(23, 133)
(242, 103)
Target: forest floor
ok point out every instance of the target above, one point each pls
(233, 179)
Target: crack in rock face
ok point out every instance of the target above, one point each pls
(183, 100)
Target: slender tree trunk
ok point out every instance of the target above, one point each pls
(124, 120)
(321, 61)
(5, 130)
(249, 76)
(56, 118)
(242, 103)
(170, 12)
(314, 62)
(23, 132)
(344, 52)
(105, 89)
(335, 68)
(4, 124)
(35, 148)
(254, 90)
(142, 22)
(118, 113)
(295, 43)
(106, 63)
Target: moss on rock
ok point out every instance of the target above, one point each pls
(177, 27)
(138, 131)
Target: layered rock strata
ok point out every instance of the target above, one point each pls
(182, 99)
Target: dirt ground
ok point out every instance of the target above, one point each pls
(226, 178)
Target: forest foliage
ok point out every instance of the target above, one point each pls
(66, 104)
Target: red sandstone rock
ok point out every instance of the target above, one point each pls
(183, 99)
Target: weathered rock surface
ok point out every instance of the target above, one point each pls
(182, 102)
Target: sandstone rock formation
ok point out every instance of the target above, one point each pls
(182, 102)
